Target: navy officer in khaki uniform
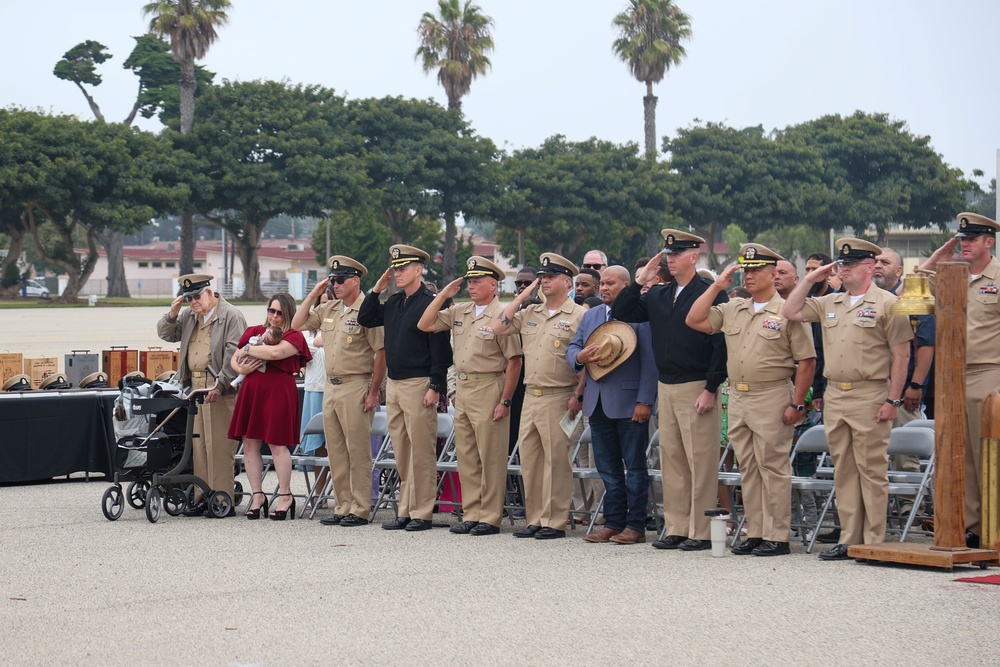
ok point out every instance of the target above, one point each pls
(546, 329)
(209, 332)
(976, 241)
(488, 368)
(355, 368)
(764, 351)
(866, 350)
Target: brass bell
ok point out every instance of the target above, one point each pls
(916, 298)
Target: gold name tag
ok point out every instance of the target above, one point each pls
(740, 386)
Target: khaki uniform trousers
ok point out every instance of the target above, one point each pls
(348, 431)
(481, 445)
(762, 444)
(413, 429)
(858, 445)
(544, 451)
(980, 380)
(213, 454)
(689, 459)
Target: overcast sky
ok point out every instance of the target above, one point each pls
(770, 63)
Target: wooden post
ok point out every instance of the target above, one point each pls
(949, 405)
(990, 475)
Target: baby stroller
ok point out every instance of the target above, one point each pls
(157, 466)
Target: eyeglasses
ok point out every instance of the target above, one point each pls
(340, 280)
(194, 297)
(523, 283)
(593, 266)
(272, 311)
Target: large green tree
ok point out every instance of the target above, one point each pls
(456, 44)
(423, 161)
(650, 35)
(879, 173)
(568, 197)
(190, 26)
(267, 148)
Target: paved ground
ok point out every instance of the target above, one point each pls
(78, 589)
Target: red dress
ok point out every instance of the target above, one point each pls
(267, 404)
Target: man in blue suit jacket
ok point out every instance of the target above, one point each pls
(618, 405)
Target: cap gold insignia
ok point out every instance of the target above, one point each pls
(545, 261)
(670, 239)
(395, 253)
(750, 253)
(846, 248)
(964, 224)
(187, 282)
(336, 264)
(471, 264)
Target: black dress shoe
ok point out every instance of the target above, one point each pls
(353, 520)
(463, 528)
(695, 545)
(549, 534)
(746, 547)
(670, 542)
(418, 524)
(971, 540)
(332, 520)
(833, 537)
(485, 529)
(197, 509)
(839, 552)
(527, 531)
(399, 523)
(769, 548)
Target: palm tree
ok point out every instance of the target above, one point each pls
(190, 26)
(456, 45)
(651, 32)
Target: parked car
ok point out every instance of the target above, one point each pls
(33, 288)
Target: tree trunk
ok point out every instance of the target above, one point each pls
(114, 243)
(455, 103)
(14, 250)
(96, 110)
(520, 247)
(187, 244)
(450, 247)
(76, 271)
(187, 86)
(248, 243)
(649, 119)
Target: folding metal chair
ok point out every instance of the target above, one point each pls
(911, 441)
(814, 441)
(582, 474)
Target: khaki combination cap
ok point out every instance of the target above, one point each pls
(616, 342)
(19, 382)
(854, 250)
(971, 225)
(478, 267)
(553, 264)
(96, 380)
(755, 255)
(401, 255)
(674, 241)
(195, 283)
(341, 265)
(55, 381)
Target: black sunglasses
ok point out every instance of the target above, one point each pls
(523, 283)
(593, 266)
(272, 311)
(193, 297)
(340, 280)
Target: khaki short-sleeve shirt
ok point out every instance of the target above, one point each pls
(856, 339)
(477, 348)
(544, 339)
(350, 348)
(762, 346)
(984, 316)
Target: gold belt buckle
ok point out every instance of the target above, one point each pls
(463, 376)
(742, 386)
(846, 386)
(336, 381)
(536, 392)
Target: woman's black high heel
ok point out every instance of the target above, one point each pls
(255, 514)
(279, 515)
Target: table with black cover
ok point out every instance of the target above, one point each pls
(51, 434)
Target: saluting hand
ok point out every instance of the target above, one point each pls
(319, 288)
(452, 288)
(175, 307)
(725, 279)
(649, 271)
(383, 280)
(822, 273)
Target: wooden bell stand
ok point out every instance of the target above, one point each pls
(949, 547)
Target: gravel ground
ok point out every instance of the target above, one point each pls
(79, 589)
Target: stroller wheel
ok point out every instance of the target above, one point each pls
(136, 494)
(219, 504)
(112, 503)
(154, 503)
(174, 503)
(238, 494)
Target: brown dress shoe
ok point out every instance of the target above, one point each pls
(629, 536)
(603, 535)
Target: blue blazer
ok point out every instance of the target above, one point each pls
(632, 382)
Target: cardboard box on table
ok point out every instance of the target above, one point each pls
(119, 362)
(39, 368)
(11, 364)
(79, 365)
(156, 361)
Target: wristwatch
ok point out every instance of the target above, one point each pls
(505, 402)
(434, 387)
(896, 402)
(798, 408)
(916, 385)
(580, 398)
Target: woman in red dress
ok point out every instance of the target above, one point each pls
(267, 405)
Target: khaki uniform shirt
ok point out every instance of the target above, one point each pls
(762, 346)
(199, 354)
(856, 339)
(350, 348)
(544, 339)
(984, 316)
(477, 348)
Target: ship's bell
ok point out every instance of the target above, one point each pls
(916, 298)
